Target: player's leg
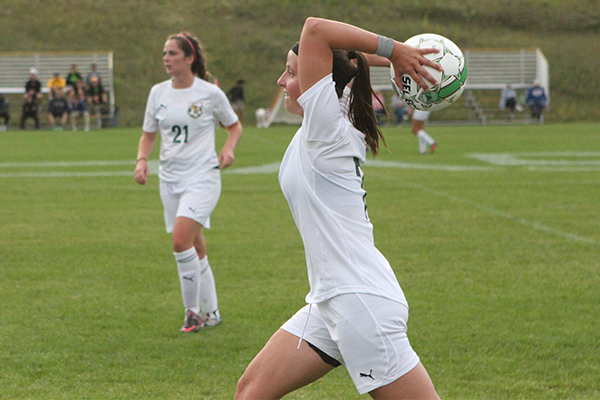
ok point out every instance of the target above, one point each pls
(209, 303)
(188, 265)
(420, 118)
(418, 126)
(194, 208)
(280, 368)
(371, 334)
(416, 384)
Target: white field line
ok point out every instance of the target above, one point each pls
(523, 221)
(561, 161)
(153, 165)
(274, 168)
(535, 161)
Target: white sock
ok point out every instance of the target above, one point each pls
(188, 265)
(422, 146)
(208, 290)
(422, 135)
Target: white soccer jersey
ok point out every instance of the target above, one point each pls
(321, 179)
(187, 119)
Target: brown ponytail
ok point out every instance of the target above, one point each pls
(361, 111)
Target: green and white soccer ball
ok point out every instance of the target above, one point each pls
(451, 81)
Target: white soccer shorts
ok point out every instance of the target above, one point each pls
(421, 115)
(195, 200)
(365, 333)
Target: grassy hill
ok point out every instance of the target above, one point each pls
(249, 39)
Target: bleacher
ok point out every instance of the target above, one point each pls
(488, 72)
(14, 70)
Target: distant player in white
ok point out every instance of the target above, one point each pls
(357, 312)
(186, 110)
(419, 120)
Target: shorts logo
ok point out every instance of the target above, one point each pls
(369, 375)
(195, 109)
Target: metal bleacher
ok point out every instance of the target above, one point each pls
(14, 70)
(490, 70)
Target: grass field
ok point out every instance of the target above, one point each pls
(495, 240)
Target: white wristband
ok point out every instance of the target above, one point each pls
(385, 46)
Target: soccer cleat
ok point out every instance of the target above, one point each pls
(212, 319)
(432, 148)
(192, 322)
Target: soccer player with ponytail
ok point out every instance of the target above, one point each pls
(357, 313)
(186, 110)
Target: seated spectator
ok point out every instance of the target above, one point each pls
(58, 108)
(400, 109)
(79, 108)
(56, 83)
(96, 97)
(30, 109)
(508, 100)
(72, 78)
(536, 100)
(93, 73)
(33, 84)
(4, 111)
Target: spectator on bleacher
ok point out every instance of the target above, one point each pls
(96, 97)
(56, 83)
(31, 108)
(72, 78)
(33, 84)
(400, 108)
(4, 111)
(79, 107)
(536, 100)
(508, 100)
(93, 73)
(58, 108)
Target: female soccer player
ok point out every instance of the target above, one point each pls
(186, 110)
(357, 313)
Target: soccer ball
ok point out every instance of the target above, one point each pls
(451, 81)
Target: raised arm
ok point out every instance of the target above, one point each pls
(320, 36)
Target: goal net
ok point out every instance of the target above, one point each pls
(276, 113)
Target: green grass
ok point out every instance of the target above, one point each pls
(499, 264)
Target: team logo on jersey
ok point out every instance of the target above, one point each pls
(195, 109)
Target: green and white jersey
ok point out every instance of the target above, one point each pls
(187, 119)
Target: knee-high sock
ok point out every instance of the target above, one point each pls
(208, 290)
(424, 140)
(188, 265)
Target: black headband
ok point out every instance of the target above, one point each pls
(295, 48)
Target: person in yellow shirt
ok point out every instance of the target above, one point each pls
(56, 83)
